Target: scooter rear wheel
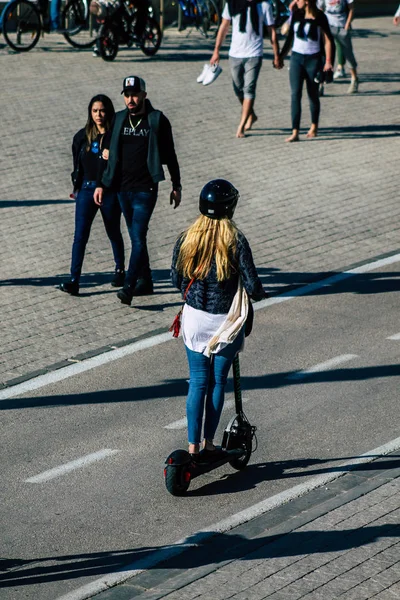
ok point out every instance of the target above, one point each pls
(177, 480)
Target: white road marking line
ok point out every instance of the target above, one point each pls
(107, 357)
(394, 337)
(84, 461)
(325, 366)
(182, 423)
(111, 579)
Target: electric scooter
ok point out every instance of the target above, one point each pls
(236, 448)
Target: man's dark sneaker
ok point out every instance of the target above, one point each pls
(119, 278)
(70, 287)
(125, 295)
(143, 287)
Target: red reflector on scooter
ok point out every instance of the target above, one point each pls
(170, 461)
(165, 472)
(187, 476)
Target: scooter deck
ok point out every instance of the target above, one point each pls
(209, 463)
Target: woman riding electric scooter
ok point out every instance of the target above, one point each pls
(213, 267)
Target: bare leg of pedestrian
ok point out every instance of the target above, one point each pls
(247, 109)
(313, 131)
(250, 121)
(294, 137)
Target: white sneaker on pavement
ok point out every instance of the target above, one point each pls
(339, 74)
(212, 74)
(353, 89)
(204, 72)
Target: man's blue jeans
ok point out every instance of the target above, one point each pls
(85, 212)
(137, 208)
(208, 377)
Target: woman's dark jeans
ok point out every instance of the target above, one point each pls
(85, 212)
(304, 67)
(137, 208)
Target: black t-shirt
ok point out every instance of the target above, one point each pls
(135, 144)
(90, 159)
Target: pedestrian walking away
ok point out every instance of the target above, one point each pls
(89, 158)
(140, 143)
(309, 29)
(248, 18)
(213, 267)
(340, 15)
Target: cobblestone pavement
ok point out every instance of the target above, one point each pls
(340, 541)
(307, 208)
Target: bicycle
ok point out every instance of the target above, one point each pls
(118, 27)
(203, 14)
(81, 28)
(24, 21)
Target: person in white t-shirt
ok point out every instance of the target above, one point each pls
(340, 14)
(248, 18)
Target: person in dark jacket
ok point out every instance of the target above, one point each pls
(313, 48)
(89, 157)
(141, 142)
(211, 264)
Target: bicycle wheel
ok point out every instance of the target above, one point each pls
(81, 27)
(208, 18)
(152, 36)
(21, 25)
(107, 42)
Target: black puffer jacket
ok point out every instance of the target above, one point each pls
(215, 296)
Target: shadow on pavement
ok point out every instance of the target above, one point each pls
(256, 473)
(173, 388)
(224, 547)
(25, 203)
(352, 132)
(274, 281)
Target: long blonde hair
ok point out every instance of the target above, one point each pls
(203, 241)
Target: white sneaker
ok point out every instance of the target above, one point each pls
(353, 89)
(203, 73)
(339, 74)
(212, 74)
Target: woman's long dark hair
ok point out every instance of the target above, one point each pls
(91, 127)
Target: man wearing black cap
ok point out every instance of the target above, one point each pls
(141, 142)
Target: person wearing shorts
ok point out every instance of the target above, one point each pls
(248, 18)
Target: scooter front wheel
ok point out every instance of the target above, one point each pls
(177, 479)
(241, 462)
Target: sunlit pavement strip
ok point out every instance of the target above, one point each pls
(102, 359)
(325, 366)
(112, 579)
(71, 466)
(394, 337)
(182, 423)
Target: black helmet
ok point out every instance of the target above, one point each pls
(218, 199)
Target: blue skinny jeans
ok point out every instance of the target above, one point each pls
(208, 377)
(85, 212)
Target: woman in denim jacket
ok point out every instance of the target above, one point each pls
(89, 159)
(209, 259)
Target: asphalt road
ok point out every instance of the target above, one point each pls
(62, 533)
